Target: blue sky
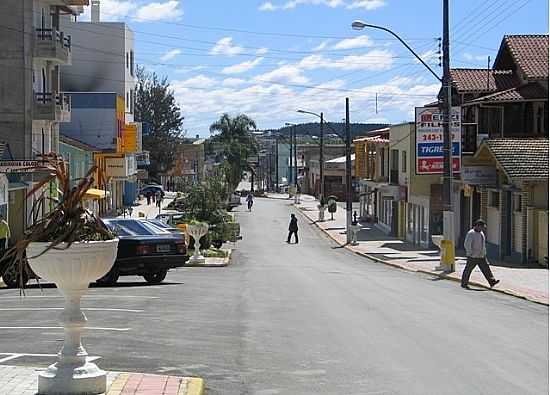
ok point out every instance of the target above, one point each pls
(269, 58)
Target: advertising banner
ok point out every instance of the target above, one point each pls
(429, 140)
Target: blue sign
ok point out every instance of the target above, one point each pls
(435, 149)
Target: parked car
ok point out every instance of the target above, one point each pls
(144, 250)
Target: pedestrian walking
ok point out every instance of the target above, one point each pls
(5, 235)
(476, 255)
(250, 201)
(293, 229)
(154, 197)
(148, 195)
(158, 199)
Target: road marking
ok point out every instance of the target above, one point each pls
(94, 328)
(61, 308)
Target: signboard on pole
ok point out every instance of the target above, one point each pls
(429, 140)
(479, 175)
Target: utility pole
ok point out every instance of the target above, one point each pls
(290, 163)
(295, 166)
(446, 113)
(349, 192)
(321, 161)
(277, 163)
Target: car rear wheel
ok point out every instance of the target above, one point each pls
(155, 278)
(11, 277)
(110, 278)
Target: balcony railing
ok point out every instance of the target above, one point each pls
(51, 35)
(52, 45)
(52, 106)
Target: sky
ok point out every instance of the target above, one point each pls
(268, 59)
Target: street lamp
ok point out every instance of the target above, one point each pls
(321, 154)
(445, 109)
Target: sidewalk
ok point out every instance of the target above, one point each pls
(527, 283)
(22, 380)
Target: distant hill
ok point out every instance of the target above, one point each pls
(312, 129)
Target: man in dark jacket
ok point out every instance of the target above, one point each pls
(293, 228)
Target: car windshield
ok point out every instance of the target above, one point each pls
(132, 227)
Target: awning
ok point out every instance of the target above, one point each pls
(95, 194)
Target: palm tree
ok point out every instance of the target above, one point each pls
(235, 135)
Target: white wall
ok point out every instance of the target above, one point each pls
(493, 225)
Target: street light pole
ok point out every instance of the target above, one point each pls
(349, 192)
(445, 108)
(321, 160)
(295, 166)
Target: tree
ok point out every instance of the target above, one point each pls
(156, 105)
(238, 143)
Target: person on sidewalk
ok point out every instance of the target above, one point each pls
(148, 195)
(5, 235)
(474, 243)
(249, 201)
(293, 229)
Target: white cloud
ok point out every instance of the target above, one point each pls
(232, 82)
(287, 73)
(196, 81)
(158, 12)
(242, 67)
(262, 51)
(356, 42)
(366, 4)
(170, 55)
(350, 4)
(111, 10)
(225, 46)
(321, 46)
(479, 58)
(267, 6)
(373, 60)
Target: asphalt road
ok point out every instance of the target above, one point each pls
(299, 319)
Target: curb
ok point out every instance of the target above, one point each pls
(195, 386)
(440, 275)
(226, 262)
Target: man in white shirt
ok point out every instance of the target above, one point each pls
(474, 243)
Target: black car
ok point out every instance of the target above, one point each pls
(144, 250)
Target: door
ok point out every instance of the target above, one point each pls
(394, 218)
(542, 252)
(507, 247)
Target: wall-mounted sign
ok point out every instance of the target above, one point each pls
(429, 140)
(18, 166)
(479, 175)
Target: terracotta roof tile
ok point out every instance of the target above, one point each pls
(530, 52)
(521, 158)
(481, 80)
(530, 91)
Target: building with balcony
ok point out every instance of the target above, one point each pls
(508, 102)
(33, 49)
(106, 63)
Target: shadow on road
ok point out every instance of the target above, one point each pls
(95, 285)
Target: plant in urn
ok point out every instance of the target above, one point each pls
(197, 230)
(70, 247)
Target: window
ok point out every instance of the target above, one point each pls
(404, 161)
(493, 199)
(132, 63)
(517, 203)
(394, 159)
(127, 100)
(132, 96)
(127, 61)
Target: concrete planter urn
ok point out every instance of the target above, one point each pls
(354, 230)
(72, 270)
(322, 208)
(196, 231)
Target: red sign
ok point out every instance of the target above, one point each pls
(435, 165)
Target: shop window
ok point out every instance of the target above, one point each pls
(494, 199)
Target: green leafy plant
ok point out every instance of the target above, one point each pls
(67, 223)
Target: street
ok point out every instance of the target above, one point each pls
(296, 319)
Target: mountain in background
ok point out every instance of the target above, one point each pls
(312, 129)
